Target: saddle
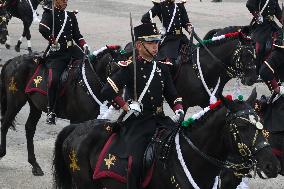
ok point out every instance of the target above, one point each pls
(115, 163)
(39, 81)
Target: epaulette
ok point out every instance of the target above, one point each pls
(47, 8)
(74, 11)
(157, 1)
(166, 62)
(125, 63)
(183, 1)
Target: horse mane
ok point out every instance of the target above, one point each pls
(228, 29)
(223, 31)
(205, 118)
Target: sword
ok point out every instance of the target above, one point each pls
(282, 18)
(52, 32)
(134, 58)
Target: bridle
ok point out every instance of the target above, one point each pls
(238, 66)
(247, 154)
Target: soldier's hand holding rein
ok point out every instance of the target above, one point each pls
(86, 49)
(179, 116)
(259, 19)
(189, 28)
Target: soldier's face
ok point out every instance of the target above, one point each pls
(61, 4)
(152, 47)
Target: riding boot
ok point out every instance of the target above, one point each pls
(50, 117)
(132, 182)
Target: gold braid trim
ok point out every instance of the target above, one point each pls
(113, 85)
(269, 67)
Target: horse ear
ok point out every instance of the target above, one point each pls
(227, 102)
(252, 98)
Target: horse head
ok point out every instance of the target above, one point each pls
(242, 64)
(4, 19)
(247, 140)
(106, 61)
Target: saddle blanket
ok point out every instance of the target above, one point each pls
(114, 164)
(39, 80)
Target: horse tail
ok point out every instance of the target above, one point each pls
(61, 175)
(3, 94)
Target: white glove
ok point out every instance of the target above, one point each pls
(259, 19)
(135, 107)
(86, 49)
(162, 31)
(111, 114)
(281, 91)
(177, 116)
(189, 28)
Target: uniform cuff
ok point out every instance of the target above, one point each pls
(118, 100)
(177, 107)
(82, 42)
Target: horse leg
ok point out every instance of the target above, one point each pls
(30, 127)
(28, 36)
(7, 121)
(8, 42)
(17, 47)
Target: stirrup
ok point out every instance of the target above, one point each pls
(50, 118)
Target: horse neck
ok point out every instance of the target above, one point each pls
(224, 53)
(209, 140)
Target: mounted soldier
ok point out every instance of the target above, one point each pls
(61, 34)
(272, 70)
(264, 28)
(173, 17)
(153, 83)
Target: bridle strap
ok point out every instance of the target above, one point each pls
(214, 161)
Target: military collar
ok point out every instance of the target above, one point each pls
(144, 60)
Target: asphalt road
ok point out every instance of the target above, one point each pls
(105, 22)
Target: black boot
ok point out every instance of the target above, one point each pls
(132, 182)
(50, 117)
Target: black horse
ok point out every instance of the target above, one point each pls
(23, 11)
(234, 58)
(204, 147)
(75, 102)
(272, 116)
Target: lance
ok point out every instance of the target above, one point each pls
(52, 18)
(282, 18)
(133, 57)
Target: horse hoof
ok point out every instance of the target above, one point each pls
(2, 153)
(30, 50)
(37, 171)
(17, 48)
(7, 46)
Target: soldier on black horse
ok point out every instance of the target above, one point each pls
(61, 47)
(145, 114)
(265, 28)
(265, 32)
(173, 17)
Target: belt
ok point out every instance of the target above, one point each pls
(176, 32)
(69, 44)
(155, 111)
(269, 18)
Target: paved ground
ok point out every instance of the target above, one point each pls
(105, 22)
